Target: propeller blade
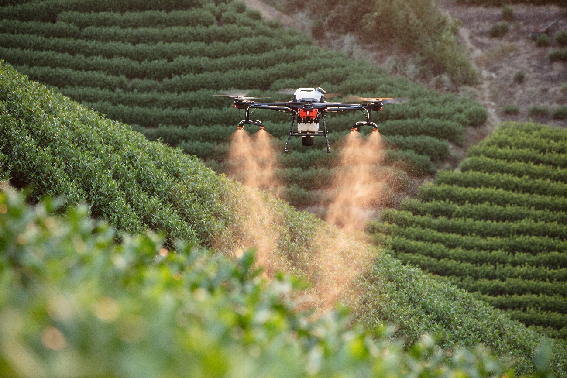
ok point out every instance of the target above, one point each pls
(385, 100)
(331, 95)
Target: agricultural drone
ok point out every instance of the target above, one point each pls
(308, 110)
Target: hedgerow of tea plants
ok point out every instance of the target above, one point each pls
(500, 216)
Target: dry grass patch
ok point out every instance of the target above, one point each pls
(497, 54)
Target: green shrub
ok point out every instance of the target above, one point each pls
(542, 40)
(561, 37)
(560, 113)
(511, 109)
(519, 77)
(498, 30)
(558, 55)
(538, 111)
(475, 115)
(507, 13)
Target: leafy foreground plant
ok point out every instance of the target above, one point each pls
(57, 148)
(73, 302)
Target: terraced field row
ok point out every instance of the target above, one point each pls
(156, 66)
(497, 227)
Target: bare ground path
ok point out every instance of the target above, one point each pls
(499, 60)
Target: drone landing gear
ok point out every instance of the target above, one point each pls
(306, 136)
(357, 126)
(245, 122)
(248, 121)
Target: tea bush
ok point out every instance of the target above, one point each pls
(561, 37)
(559, 113)
(538, 111)
(507, 13)
(558, 55)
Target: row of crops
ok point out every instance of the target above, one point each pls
(94, 292)
(497, 226)
(157, 66)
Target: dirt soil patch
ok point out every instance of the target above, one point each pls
(502, 61)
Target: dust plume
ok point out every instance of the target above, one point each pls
(330, 262)
(357, 186)
(356, 191)
(252, 161)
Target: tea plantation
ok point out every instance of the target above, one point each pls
(126, 257)
(497, 226)
(157, 65)
(73, 293)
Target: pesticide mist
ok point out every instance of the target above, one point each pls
(330, 268)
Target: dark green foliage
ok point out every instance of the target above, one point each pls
(559, 113)
(511, 109)
(498, 30)
(538, 111)
(543, 40)
(507, 13)
(558, 55)
(500, 218)
(519, 77)
(561, 37)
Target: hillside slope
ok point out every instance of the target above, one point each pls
(56, 147)
(497, 225)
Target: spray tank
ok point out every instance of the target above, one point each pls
(308, 119)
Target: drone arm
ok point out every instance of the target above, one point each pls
(271, 106)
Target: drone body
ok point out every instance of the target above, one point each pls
(308, 109)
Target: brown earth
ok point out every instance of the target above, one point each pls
(499, 60)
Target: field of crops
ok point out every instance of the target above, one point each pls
(156, 66)
(497, 226)
(56, 147)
